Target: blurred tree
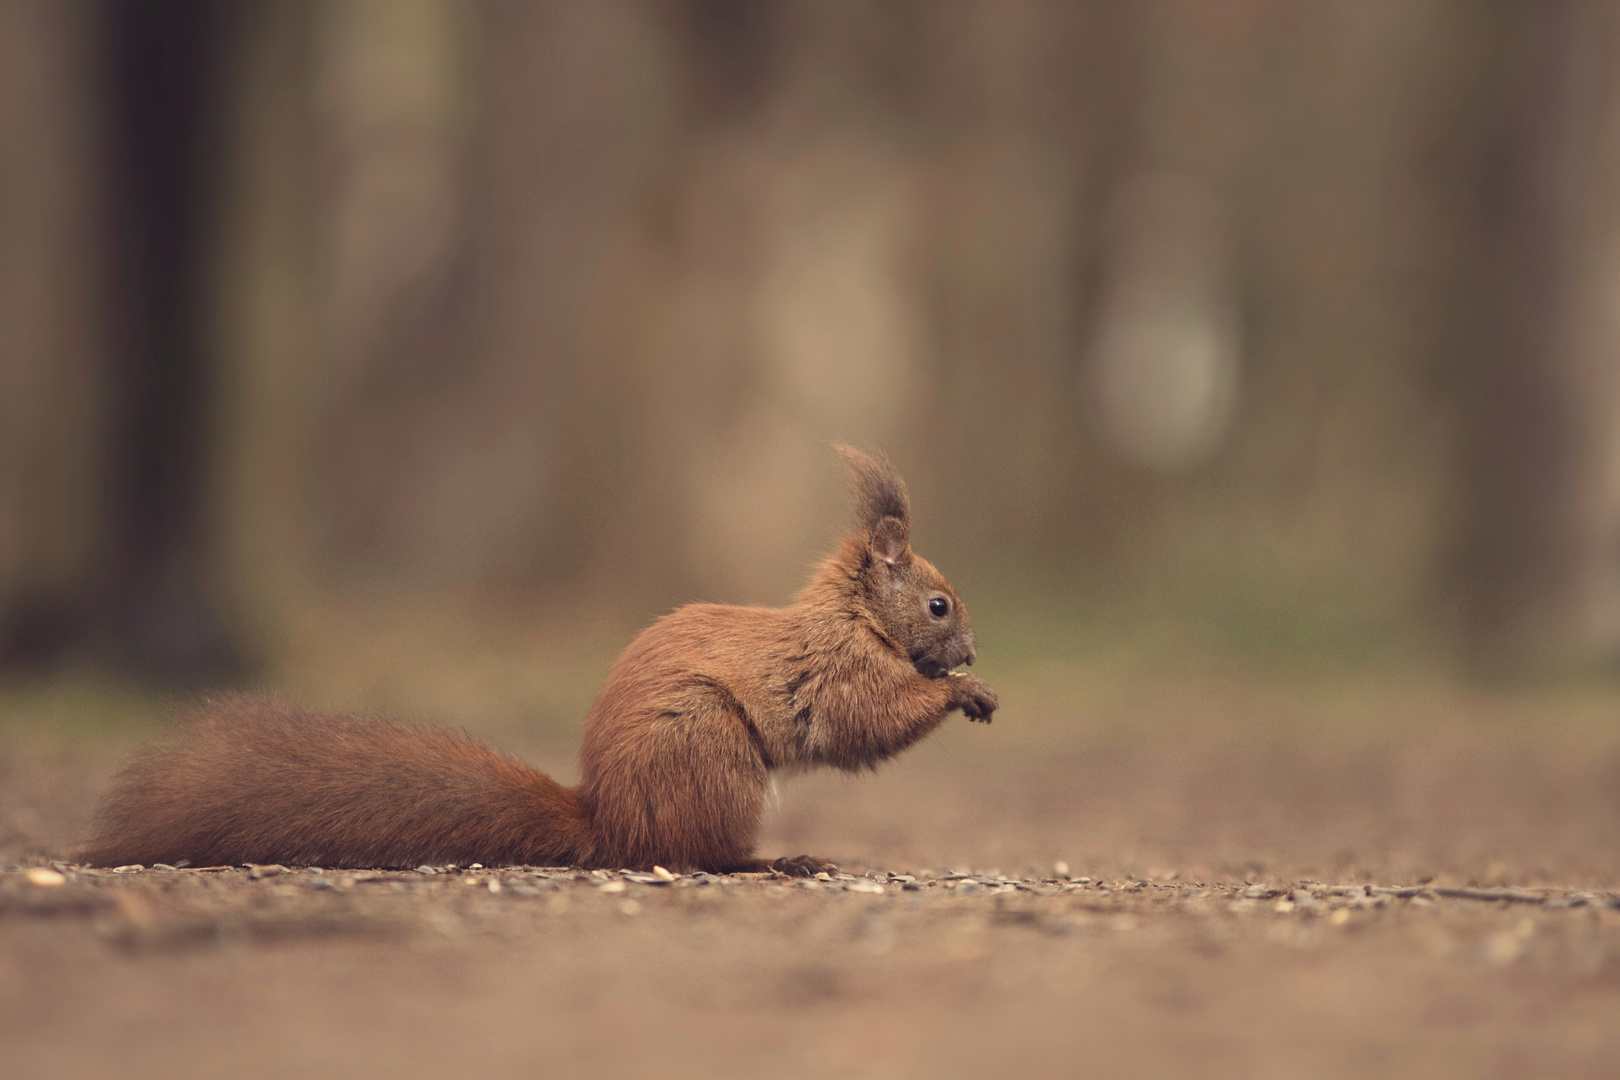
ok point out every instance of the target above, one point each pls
(1533, 561)
(133, 573)
(52, 401)
(168, 93)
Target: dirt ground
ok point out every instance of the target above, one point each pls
(1210, 872)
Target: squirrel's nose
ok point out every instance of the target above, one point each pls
(971, 656)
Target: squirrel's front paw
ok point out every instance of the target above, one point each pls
(975, 698)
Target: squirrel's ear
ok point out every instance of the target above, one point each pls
(890, 541)
(879, 492)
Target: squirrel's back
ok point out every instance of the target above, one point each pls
(261, 781)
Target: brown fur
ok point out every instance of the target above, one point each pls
(257, 781)
(678, 748)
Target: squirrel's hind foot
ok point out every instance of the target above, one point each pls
(802, 866)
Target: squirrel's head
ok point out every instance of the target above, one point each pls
(911, 601)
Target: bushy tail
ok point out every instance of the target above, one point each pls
(258, 781)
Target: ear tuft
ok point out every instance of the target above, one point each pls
(879, 492)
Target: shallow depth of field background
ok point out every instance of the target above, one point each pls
(411, 354)
(1255, 367)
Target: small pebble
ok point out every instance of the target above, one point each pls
(612, 887)
(629, 907)
(426, 870)
(1340, 917)
(129, 868)
(494, 885)
(660, 872)
(43, 877)
(1060, 868)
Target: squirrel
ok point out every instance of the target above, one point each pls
(677, 752)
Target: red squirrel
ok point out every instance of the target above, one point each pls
(677, 755)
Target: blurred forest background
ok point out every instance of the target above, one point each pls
(1283, 327)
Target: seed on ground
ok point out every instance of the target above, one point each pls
(43, 877)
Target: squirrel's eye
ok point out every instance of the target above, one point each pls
(938, 606)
